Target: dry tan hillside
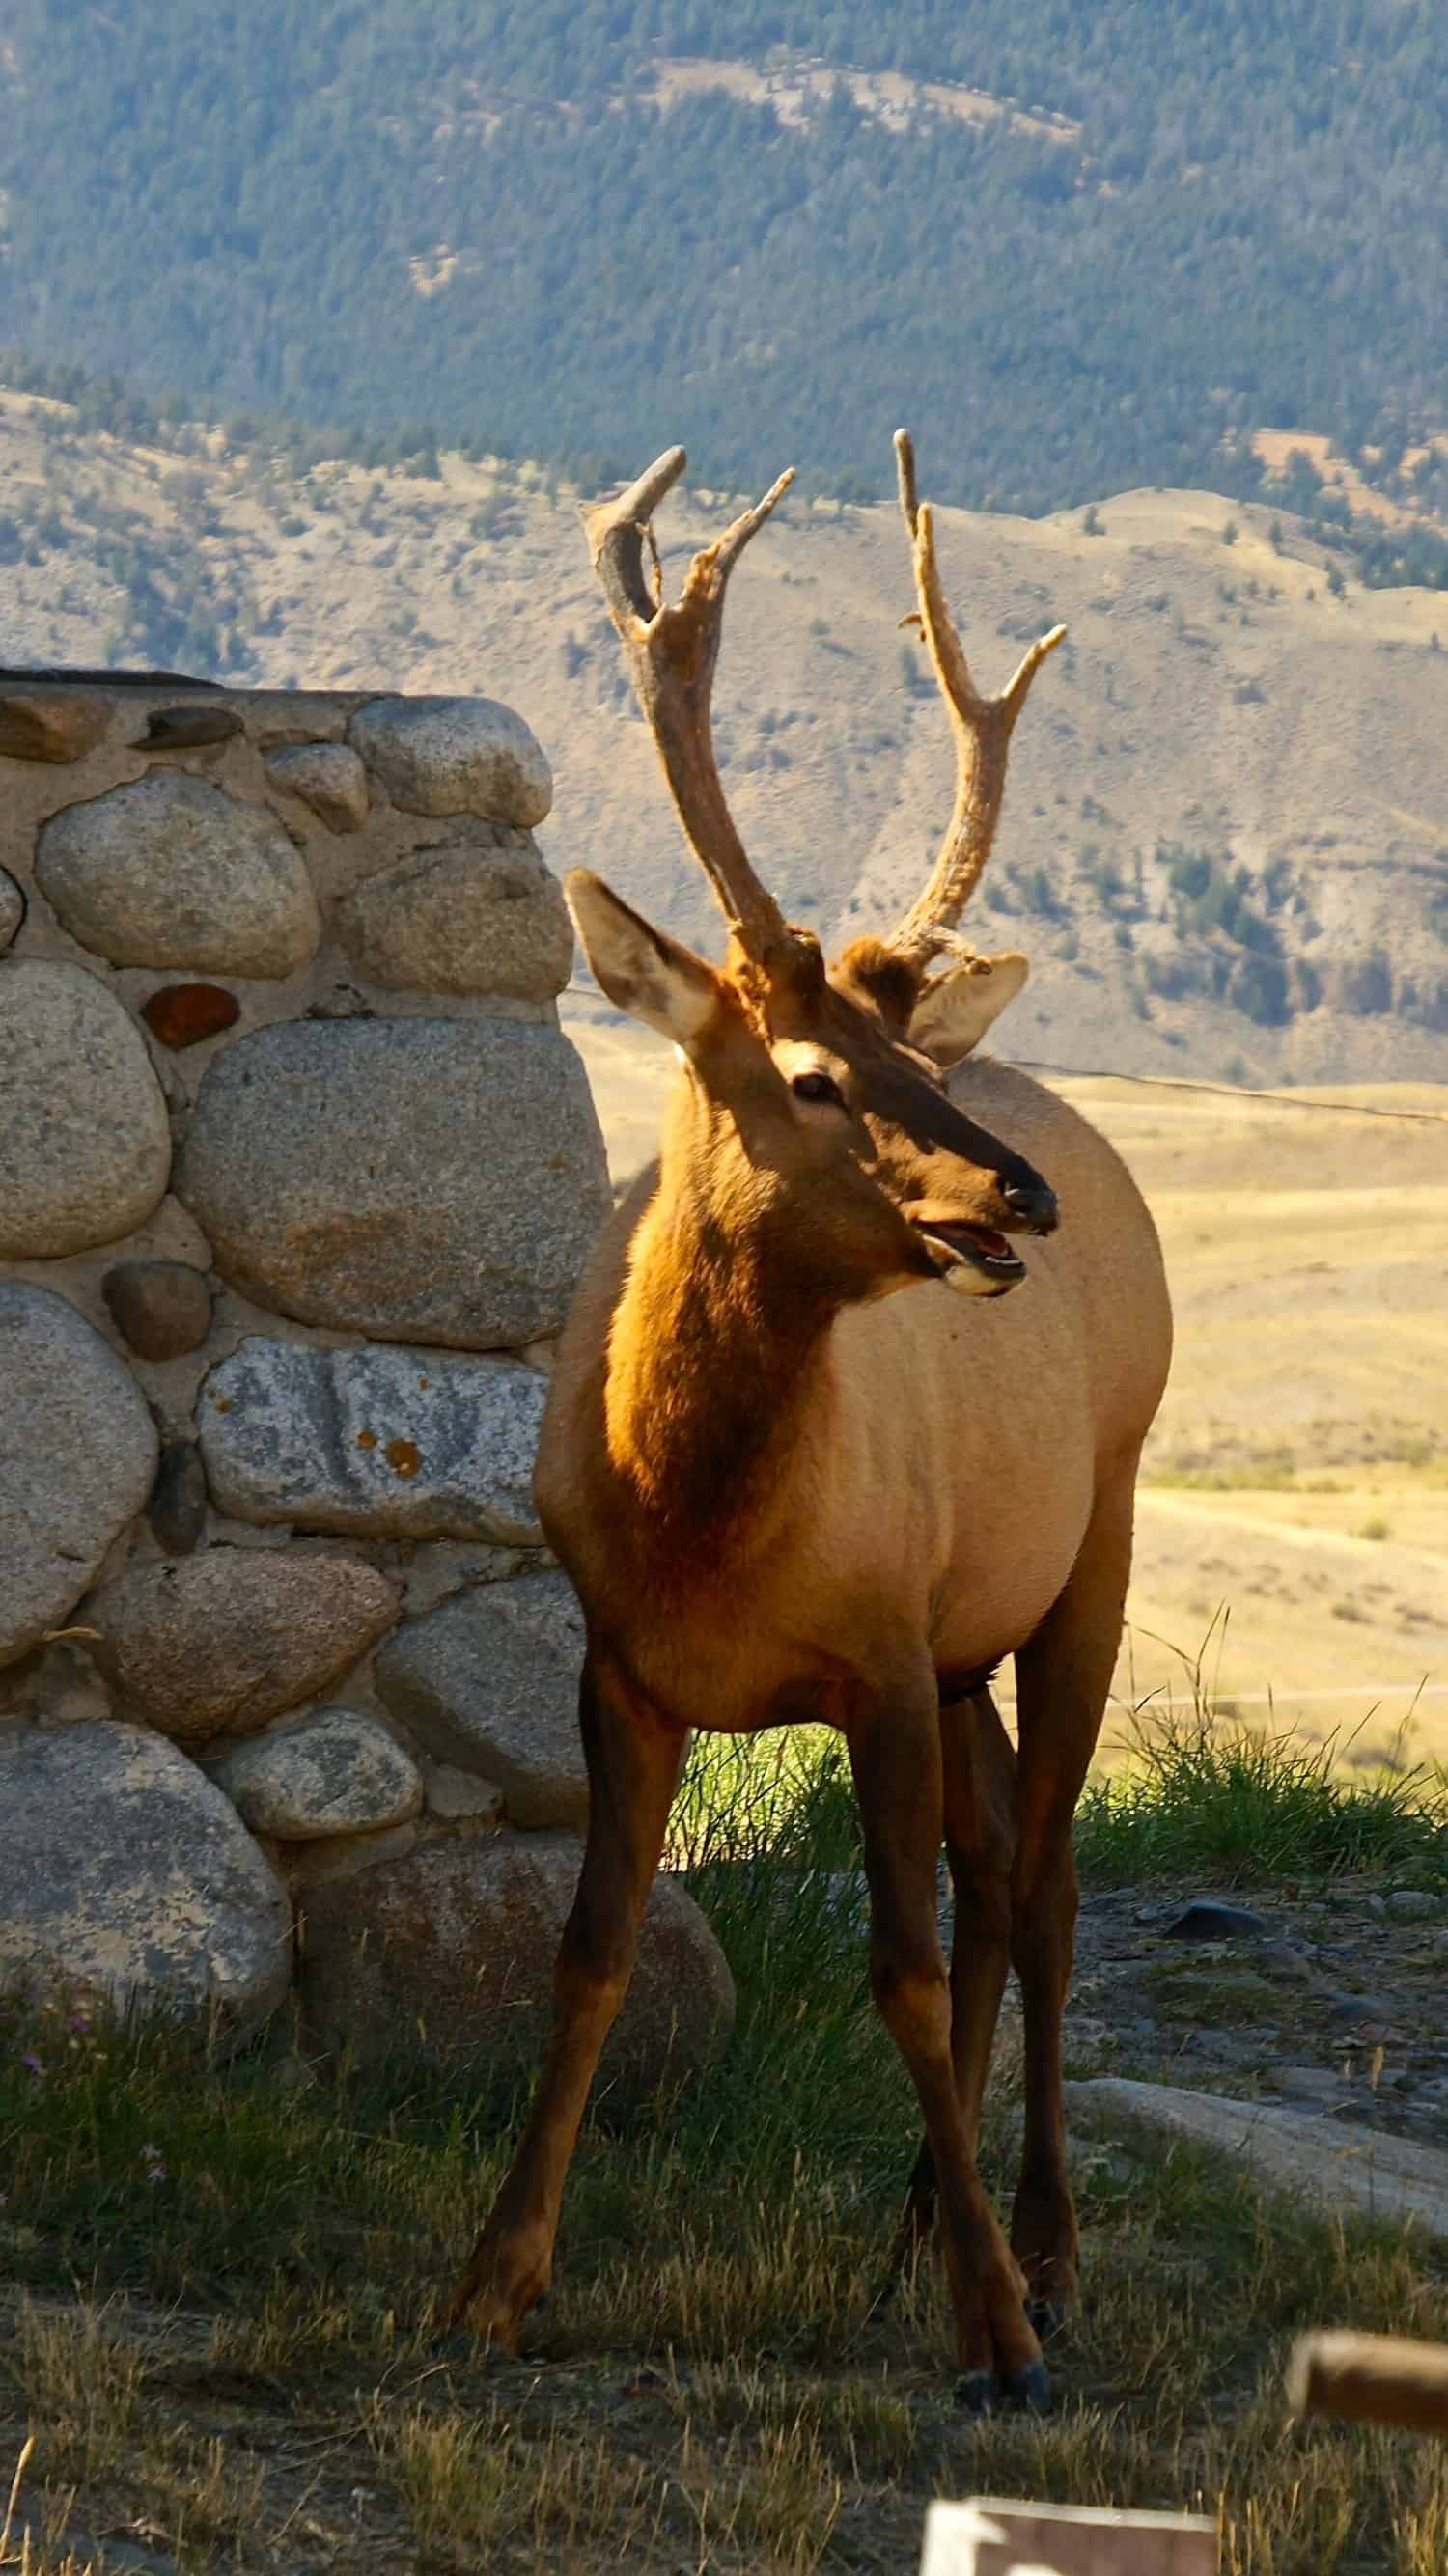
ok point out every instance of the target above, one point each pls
(1216, 702)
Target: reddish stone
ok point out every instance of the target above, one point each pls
(182, 1014)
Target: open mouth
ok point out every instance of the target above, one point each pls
(979, 1247)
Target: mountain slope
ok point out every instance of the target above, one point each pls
(1225, 843)
(1190, 219)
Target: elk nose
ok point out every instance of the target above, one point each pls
(1033, 1203)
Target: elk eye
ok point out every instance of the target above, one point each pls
(817, 1086)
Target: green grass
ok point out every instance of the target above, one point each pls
(1208, 1800)
(231, 2267)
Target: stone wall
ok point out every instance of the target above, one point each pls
(297, 1172)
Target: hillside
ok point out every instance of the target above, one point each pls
(1225, 843)
(1090, 248)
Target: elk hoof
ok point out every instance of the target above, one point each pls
(978, 2392)
(1030, 2389)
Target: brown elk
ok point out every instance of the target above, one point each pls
(902, 1488)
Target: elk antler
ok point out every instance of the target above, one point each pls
(982, 729)
(671, 653)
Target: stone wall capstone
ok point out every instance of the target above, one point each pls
(297, 1174)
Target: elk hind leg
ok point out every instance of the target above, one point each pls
(634, 1759)
(1063, 1675)
(896, 1757)
(979, 1780)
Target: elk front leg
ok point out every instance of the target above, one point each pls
(634, 1758)
(896, 1757)
(1063, 1676)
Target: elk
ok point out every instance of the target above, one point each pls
(767, 1394)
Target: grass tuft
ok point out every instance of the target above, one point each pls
(1198, 1798)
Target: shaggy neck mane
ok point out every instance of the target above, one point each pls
(718, 1345)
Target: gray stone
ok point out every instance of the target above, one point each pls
(386, 1441)
(77, 1456)
(162, 1307)
(451, 1952)
(336, 1856)
(1413, 1904)
(122, 1870)
(170, 871)
(461, 920)
(85, 1143)
(198, 726)
(1293, 2151)
(417, 1180)
(1207, 1918)
(328, 776)
(216, 1644)
(176, 1511)
(12, 909)
(489, 1683)
(453, 1794)
(336, 1772)
(454, 756)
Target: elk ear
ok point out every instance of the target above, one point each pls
(641, 969)
(956, 1008)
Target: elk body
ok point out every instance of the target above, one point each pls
(796, 1479)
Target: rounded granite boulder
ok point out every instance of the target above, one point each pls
(454, 756)
(415, 1180)
(216, 1644)
(77, 1459)
(85, 1143)
(336, 1771)
(328, 776)
(450, 1951)
(125, 1873)
(170, 871)
(462, 919)
(384, 1441)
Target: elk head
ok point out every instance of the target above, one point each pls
(814, 1113)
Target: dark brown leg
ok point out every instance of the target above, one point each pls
(980, 1833)
(895, 1752)
(1063, 1676)
(634, 1759)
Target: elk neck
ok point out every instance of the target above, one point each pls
(719, 1347)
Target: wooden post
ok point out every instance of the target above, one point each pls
(1373, 2379)
(986, 2537)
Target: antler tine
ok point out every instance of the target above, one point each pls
(671, 653)
(982, 728)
